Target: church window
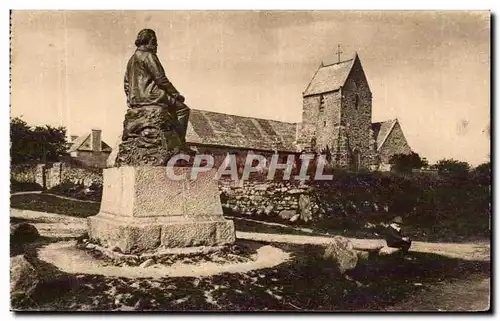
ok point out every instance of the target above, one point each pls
(355, 160)
(356, 101)
(313, 142)
(321, 103)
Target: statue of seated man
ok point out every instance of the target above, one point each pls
(156, 121)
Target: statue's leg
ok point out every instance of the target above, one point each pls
(182, 112)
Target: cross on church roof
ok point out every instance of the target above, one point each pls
(338, 52)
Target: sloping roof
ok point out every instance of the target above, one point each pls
(381, 131)
(329, 78)
(79, 144)
(211, 128)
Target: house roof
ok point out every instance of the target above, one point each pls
(211, 128)
(79, 144)
(381, 131)
(329, 77)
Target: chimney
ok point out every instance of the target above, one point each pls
(96, 140)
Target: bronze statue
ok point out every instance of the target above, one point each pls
(156, 121)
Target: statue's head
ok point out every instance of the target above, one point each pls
(147, 38)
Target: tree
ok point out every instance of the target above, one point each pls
(38, 144)
(405, 163)
(452, 168)
(19, 138)
(482, 173)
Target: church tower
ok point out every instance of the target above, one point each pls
(336, 115)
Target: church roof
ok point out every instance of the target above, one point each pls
(329, 77)
(211, 128)
(381, 131)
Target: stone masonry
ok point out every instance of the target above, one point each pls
(142, 210)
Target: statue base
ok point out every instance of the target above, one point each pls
(144, 210)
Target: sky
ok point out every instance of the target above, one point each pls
(431, 70)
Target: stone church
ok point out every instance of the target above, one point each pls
(336, 119)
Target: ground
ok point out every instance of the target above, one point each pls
(436, 277)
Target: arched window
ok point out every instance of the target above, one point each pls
(313, 143)
(321, 103)
(356, 101)
(355, 160)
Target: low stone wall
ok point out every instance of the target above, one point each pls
(51, 175)
(24, 173)
(287, 199)
(85, 176)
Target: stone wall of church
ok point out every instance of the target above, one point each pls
(320, 121)
(307, 131)
(395, 144)
(356, 116)
(328, 121)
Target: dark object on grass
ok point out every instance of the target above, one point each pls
(23, 232)
(16, 186)
(394, 235)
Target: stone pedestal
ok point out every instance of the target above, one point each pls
(143, 210)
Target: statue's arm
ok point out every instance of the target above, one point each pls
(126, 87)
(154, 65)
(125, 84)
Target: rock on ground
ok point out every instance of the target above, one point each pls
(305, 207)
(287, 214)
(341, 251)
(363, 255)
(23, 232)
(388, 251)
(147, 263)
(23, 277)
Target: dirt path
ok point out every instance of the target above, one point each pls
(52, 225)
(56, 225)
(55, 195)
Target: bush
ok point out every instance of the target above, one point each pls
(405, 163)
(453, 169)
(482, 174)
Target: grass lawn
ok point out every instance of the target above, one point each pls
(23, 186)
(306, 282)
(53, 204)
